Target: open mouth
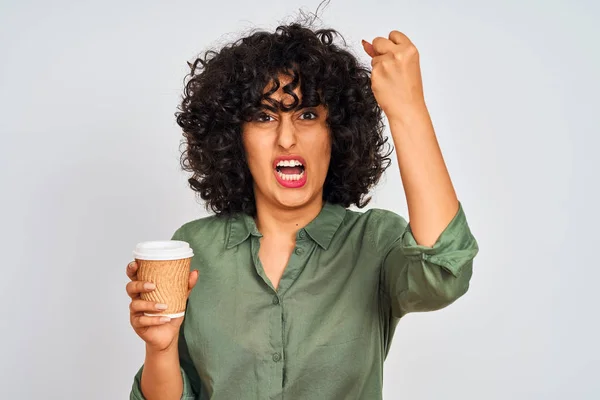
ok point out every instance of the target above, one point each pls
(290, 170)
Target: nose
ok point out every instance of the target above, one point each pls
(286, 135)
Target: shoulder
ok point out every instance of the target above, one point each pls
(381, 227)
(212, 227)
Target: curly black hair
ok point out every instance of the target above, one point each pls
(224, 89)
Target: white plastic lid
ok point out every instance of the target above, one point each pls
(163, 250)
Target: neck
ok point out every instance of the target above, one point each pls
(272, 220)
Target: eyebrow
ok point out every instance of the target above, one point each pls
(270, 107)
(266, 106)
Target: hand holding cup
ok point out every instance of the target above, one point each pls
(160, 286)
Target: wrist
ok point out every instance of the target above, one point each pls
(154, 351)
(408, 115)
(414, 122)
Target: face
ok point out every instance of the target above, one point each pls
(288, 153)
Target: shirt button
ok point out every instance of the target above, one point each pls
(302, 234)
(276, 357)
(275, 300)
(299, 250)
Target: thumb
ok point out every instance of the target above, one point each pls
(193, 279)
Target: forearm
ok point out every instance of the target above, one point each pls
(430, 195)
(161, 376)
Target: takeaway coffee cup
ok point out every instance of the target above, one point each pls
(167, 265)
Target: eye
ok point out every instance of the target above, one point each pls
(314, 115)
(262, 117)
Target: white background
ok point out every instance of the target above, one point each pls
(89, 157)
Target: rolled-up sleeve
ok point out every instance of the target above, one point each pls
(421, 278)
(136, 391)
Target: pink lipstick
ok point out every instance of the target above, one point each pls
(290, 171)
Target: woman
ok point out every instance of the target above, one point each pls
(299, 297)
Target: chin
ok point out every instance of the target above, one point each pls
(294, 198)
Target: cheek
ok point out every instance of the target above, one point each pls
(255, 164)
(256, 157)
(322, 156)
(326, 153)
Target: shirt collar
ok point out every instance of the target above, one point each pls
(321, 229)
(325, 225)
(241, 226)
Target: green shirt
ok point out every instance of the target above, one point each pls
(325, 332)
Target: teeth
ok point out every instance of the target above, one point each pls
(289, 163)
(290, 177)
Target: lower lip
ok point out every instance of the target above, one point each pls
(291, 184)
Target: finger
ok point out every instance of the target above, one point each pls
(369, 48)
(378, 59)
(131, 270)
(143, 321)
(139, 306)
(399, 38)
(134, 288)
(383, 45)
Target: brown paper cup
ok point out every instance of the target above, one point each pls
(170, 274)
